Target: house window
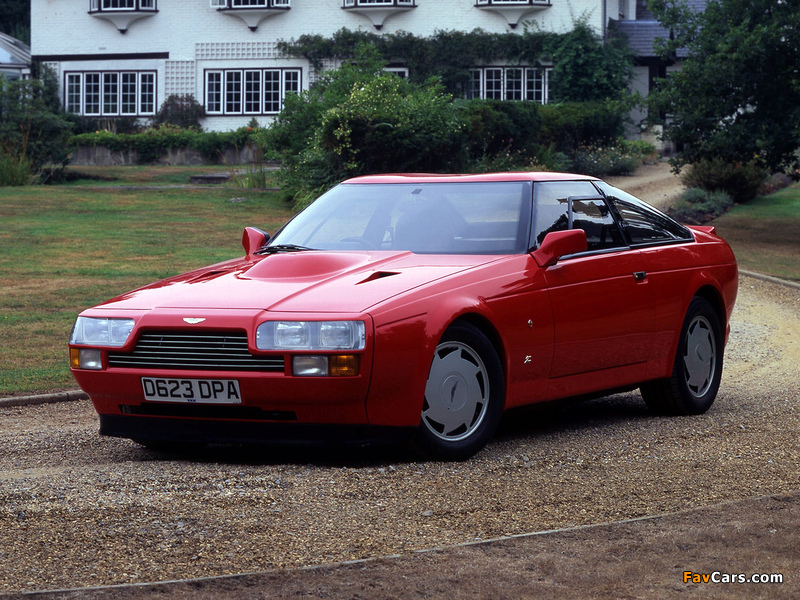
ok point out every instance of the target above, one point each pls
(251, 3)
(233, 91)
(147, 93)
(249, 91)
(369, 3)
(92, 94)
(252, 92)
(494, 84)
(513, 84)
(537, 87)
(100, 5)
(110, 93)
(73, 93)
(510, 83)
(214, 91)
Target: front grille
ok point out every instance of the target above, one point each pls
(207, 351)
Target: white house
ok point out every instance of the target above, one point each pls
(125, 57)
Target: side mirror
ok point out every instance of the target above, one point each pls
(560, 243)
(253, 239)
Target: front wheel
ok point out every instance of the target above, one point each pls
(464, 395)
(697, 371)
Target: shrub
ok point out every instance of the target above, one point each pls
(153, 143)
(571, 125)
(603, 161)
(15, 168)
(502, 127)
(740, 181)
(360, 119)
(33, 131)
(774, 183)
(696, 205)
(181, 111)
(391, 125)
(641, 148)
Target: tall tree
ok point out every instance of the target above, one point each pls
(15, 19)
(737, 96)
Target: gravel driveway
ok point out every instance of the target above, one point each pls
(77, 510)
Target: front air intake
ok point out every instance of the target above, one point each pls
(201, 351)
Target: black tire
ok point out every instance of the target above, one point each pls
(697, 371)
(464, 396)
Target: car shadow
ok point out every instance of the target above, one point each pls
(518, 424)
(572, 415)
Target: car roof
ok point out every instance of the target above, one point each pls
(468, 178)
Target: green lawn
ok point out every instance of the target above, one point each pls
(765, 233)
(65, 248)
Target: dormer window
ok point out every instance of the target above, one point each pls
(122, 12)
(512, 10)
(252, 12)
(378, 11)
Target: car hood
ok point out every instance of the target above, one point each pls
(309, 281)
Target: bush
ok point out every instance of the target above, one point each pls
(568, 126)
(644, 150)
(696, 205)
(603, 161)
(181, 111)
(33, 131)
(499, 127)
(153, 143)
(391, 125)
(359, 119)
(740, 181)
(15, 168)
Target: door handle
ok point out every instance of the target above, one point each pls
(640, 275)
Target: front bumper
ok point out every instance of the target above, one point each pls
(150, 429)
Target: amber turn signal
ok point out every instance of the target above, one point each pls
(344, 365)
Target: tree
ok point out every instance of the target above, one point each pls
(180, 111)
(34, 134)
(15, 19)
(737, 95)
(359, 119)
(586, 70)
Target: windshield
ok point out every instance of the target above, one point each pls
(432, 218)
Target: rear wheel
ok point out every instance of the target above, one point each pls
(697, 370)
(464, 395)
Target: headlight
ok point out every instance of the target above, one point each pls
(311, 335)
(101, 332)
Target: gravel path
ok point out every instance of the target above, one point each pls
(77, 510)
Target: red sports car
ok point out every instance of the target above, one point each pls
(417, 306)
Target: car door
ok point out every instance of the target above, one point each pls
(601, 302)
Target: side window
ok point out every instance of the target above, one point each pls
(594, 217)
(589, 212)
(641, 223)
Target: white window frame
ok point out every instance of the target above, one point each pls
(249, 91)
(245, 4)
(376, 3)
(108, 93)
(515, 83)
(121, 5)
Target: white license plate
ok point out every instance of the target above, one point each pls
(202, 391)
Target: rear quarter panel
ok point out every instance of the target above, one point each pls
(677, 274)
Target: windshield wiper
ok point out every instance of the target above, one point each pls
(277, 248)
